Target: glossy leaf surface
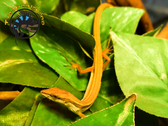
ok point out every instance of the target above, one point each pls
(141, 68)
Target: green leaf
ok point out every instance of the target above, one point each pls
(50, 113)
(49, 45)
(123, 19)
(154, 33)
(87, 25)
(84, 39)
(82, 6)
(73, 17)
(6, 7)
(121, 114)
(19, 65)
(33, 109)
(119, 19)
(44, 6)
(141, 68)
(85, 7)
(35, 113)
(18, 110)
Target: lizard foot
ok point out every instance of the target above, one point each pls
(74, 64)
(109, 48)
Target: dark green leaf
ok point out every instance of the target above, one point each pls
(33, 109)
(52, 114)
(154, 33)
(49, 45)
(83, 38)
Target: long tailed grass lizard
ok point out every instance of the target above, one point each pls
(74, 104)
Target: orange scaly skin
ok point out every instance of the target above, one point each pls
(69, 100)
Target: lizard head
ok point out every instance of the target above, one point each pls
(64, 97)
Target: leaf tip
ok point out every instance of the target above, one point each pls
(133, 96)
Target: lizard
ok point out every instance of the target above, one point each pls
(74, 104)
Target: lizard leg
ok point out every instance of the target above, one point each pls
(76, 66)
(105, 52)
(81, 115)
